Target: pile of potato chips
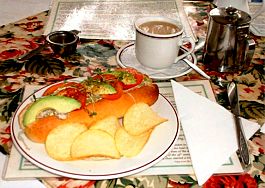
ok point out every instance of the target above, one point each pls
(107, 138)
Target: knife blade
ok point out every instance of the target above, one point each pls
(235, 109)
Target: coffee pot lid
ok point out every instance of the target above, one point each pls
(230, 15)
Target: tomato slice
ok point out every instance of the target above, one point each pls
(74, 93)
(137, 76)
(105, 77)
(108, 77)
(119, 91)
(52, 89)
(55, 87)
(68, 89)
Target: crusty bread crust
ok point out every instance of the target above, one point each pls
(147, 94)
(39, 130)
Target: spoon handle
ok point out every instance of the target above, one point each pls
(197, 69)
(242, 143)
(32, 53)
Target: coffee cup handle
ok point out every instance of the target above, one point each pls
(190, 50)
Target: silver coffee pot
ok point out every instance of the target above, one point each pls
(228, 47)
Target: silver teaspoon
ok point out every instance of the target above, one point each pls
(242, 142)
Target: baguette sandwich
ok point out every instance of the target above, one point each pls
(105, 93)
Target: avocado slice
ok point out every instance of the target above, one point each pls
(103, 88)
(61, 104)
(98, 87)
(125, 77)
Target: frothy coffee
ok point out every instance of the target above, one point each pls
(159, 27)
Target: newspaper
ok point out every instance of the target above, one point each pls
(178, 161)
(110, 19)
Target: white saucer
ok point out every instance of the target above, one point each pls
(126, 58)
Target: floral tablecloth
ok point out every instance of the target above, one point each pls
(18, 38)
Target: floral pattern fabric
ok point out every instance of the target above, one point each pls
(25, 35)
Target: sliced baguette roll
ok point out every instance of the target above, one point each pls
(147, 94)
(59, 140)
(38, 130)
(94, 143)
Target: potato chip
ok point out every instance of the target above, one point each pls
(59, 140)
(140, 118)
(94, 143)
(129, 145)
(109, 124)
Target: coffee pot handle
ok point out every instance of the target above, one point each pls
(250, 48)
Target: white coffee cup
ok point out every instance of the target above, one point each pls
(159, 51)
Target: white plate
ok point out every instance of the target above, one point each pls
(126, 58)
(159, 144)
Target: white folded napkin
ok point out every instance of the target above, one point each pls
(209, 131)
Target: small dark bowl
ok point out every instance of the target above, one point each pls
(63, 43)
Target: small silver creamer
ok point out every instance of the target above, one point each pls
(228, 47)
